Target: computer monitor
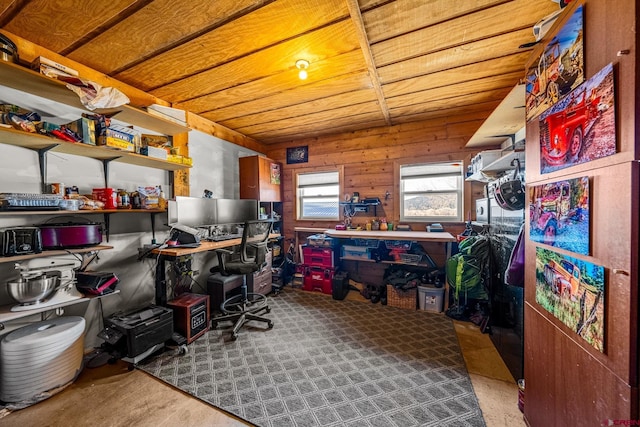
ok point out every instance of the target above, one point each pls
(192, 211)
(234, 211)
(197, 212)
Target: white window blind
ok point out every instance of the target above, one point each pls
(318, 195)
(431, 192)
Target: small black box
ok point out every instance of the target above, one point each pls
(220, 287)
(340, 285)
(141, 329)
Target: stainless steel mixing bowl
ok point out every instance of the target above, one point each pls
(33, 290)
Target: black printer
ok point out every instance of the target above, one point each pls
(134, 333)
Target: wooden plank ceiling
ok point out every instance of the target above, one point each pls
(372, 62)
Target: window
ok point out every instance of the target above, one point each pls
(431, 192)
(318, 195)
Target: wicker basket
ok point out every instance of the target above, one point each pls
(402, 299)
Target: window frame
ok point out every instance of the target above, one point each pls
(297, 209)
(425, 219)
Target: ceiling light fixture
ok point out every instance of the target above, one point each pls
(302, 65)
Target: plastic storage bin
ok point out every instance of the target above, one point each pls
(355, 252)
(430, 298)
(322, 240)
(320, 256)
(318, 279)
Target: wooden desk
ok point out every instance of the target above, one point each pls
(416, 236)
(205, 246)
(168, 254)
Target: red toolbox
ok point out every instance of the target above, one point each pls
(319, 256)
(318, 279)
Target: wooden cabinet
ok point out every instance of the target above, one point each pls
(260, 179)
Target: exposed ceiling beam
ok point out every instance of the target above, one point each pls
(356, 18)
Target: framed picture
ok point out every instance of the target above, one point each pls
(559, 214)
(274, 173)
(298, 154)
(581, 127)
(558, 70)
(573, 291)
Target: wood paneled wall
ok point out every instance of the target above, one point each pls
(370, 157)
(568, 381)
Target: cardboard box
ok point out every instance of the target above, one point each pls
(168, 113)
(119, 144)
(85, 129)
(155, 152)
(120, 138)
(121, 132)
(186, 160)
(174, 158)
(41, 62)
(149, 197)
(155, 140)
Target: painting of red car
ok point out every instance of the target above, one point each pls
(559, 214)
(581, 126)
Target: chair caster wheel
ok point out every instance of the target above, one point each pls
(267, 310)
(233, 337)
(270, 325)
(183, 350)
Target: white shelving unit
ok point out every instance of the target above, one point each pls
(504, 162)
(490, 172)
(6, 315)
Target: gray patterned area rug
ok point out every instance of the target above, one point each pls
(330, 363)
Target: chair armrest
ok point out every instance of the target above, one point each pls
(222, 255)
(224, 251)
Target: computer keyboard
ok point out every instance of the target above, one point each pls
(223, 237)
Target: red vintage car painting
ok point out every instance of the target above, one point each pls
(559, 214)
(564, 136)
(581, 126)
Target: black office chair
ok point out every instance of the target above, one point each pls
(247, 306)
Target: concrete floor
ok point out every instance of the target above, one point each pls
(493, 384)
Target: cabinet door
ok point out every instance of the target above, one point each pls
(260, 179)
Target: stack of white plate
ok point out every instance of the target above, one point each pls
(40, 357)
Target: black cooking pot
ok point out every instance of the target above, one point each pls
(510, 194)
(68, 235)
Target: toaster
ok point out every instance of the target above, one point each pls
(20, 241)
